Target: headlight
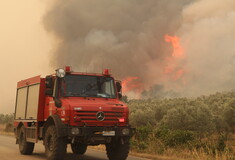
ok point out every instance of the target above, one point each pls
(60, 73)
(126, 131)
(75, 131)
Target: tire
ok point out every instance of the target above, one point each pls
(55, 147)
(78, 148)
(118, 151)
(26, 148)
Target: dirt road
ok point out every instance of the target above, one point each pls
(9, 151)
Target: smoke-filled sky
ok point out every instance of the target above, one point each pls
(129, 37)
(208, 36)
(24, 46)
(125, 36)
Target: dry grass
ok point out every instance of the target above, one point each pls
(157, 151)
(7, 133)
(2, 127)
(174, 154)
(2, 131)
(137, 154)
(198, 155)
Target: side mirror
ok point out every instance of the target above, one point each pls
(119, 95)
(119, 86)
(49, 92)
(49, 82)
(58, 102)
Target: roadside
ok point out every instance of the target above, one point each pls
(99, 148)
(3, 132)
(9, 151)
(169, 155)
(141, 155)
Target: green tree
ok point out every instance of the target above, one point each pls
(196, 117)
(229, 115)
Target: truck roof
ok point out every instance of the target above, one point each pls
(37, 79)
(88, 74)
(29, 81)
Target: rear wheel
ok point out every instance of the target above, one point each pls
(78, 148)
(55, 146)
(118, 150)
(24, 146)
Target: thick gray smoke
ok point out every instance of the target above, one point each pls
(125, 36)
(128, 37)
(208, 36)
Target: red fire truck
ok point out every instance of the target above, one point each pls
(74, 108)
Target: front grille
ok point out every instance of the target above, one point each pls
(91, 115)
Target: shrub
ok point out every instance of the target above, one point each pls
(194, 118)
(172, 138)
(220, 146)
(229, 115)
(142, 117)
(9, 127)
(142, 133)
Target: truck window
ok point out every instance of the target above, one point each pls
(32, 103)
(21, 103)
(89, 86)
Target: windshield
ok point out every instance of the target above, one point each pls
(89, 86)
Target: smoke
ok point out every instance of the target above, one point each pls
(125, 36)
(208, 35)
(128, 38)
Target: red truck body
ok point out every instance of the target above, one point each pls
(83, 120)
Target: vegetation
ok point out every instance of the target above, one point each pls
(187, 128)
(7, 121)
(6, 118)
(205, 124)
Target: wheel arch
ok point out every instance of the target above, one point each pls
(61, 128)
(17, 129)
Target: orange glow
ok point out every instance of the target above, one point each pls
(175, 41)
(174, 74)
(168, 70)
(174, 69)
(132, 84)
(179, 74)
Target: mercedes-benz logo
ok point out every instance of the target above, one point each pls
(100, 116)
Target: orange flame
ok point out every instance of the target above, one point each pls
(174, 69)
(132, 84)
(179, 74)
(175, 41)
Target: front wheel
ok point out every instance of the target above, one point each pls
(118, 149)
(78, 148)
(55, 146)
(25, 147)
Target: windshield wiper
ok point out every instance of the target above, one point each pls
(103, 95)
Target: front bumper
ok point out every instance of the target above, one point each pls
(126, 131)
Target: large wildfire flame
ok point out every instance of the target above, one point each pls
(172, 70)
(178, 51)
(132, 84)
